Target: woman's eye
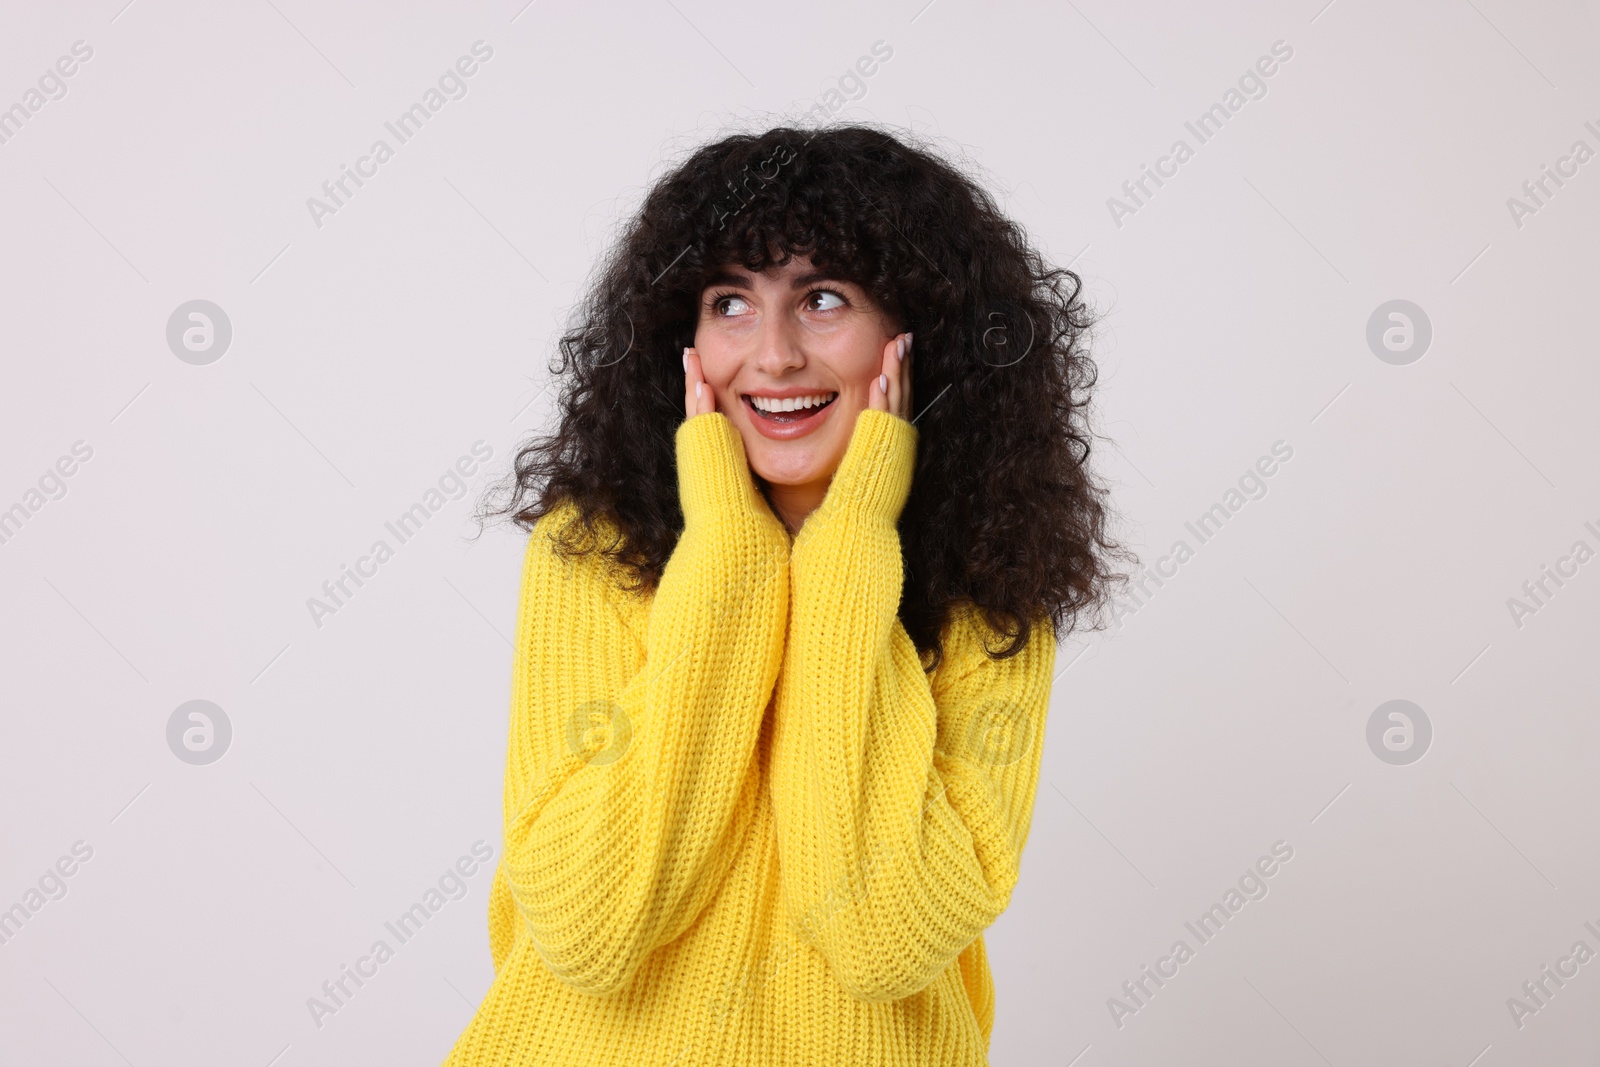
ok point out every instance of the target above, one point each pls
(721, 305)
(825, 295)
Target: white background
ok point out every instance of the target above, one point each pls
(371, 352)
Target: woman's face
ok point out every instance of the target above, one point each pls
(787, 333)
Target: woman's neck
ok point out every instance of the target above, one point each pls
(793, 504)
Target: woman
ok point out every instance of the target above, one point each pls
(786, 641)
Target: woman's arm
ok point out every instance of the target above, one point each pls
(613, 847)
(902, 807)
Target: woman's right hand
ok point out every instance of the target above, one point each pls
(715, 475)
(697, 396)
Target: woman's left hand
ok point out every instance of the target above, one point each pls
(891, 390)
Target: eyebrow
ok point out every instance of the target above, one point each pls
(744, 281)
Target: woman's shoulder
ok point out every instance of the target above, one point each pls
(969, 640)
(566, 530)
(566, 545)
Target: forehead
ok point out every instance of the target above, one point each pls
(796, 273)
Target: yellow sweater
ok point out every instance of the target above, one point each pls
(742, 825)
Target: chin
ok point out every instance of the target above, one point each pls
(797, 462)
(801, 473)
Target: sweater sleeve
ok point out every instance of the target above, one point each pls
(630, 772)
(902, 802)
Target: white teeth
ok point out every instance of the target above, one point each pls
(796, 403)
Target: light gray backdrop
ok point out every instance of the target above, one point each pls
(375, 341)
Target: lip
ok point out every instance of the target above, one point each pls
(783, 431)
(788, 391)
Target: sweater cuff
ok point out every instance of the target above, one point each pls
(714, 480)
(874, 478)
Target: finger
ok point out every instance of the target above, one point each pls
(705, 399)
(893, 375)
(877, 397)
(698, 395)
(688, 387)
(905, 378)
(896, 375)
(695, 391)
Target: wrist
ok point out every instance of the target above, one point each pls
(874, 477)
(715, 483)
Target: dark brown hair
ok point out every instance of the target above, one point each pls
(1003, 513)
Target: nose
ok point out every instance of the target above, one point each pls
(778, 347)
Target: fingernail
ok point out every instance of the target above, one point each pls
(686, 361)
(900, 349)
(883, 384)
(697, 390)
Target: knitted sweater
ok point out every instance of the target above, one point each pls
(743, 826)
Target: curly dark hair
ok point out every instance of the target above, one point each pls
(1003, 512)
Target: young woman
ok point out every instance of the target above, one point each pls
(787, 638)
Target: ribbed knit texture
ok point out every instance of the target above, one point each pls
(742, 825)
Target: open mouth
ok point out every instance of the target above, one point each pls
(793, 409)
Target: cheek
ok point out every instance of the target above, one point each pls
(853, 397)
(852, 401)
(858, 387)
(718, 365)
(858, 369)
